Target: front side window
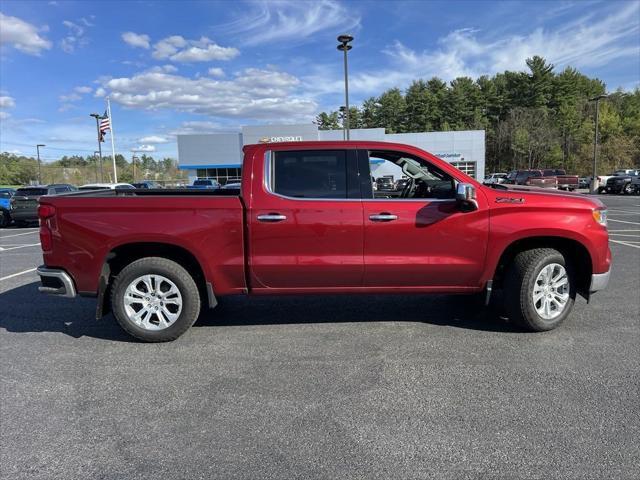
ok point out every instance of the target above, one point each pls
(309, 173)
(399, 175)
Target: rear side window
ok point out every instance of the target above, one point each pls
(310, 174)
(31, 191)
(61, 189)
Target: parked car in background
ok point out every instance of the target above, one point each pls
(622, 182)
(24, 204)
(401, 183)
(105, 186)
(147, 184)
(547, 178)
(231, 186)
(563, 181)
(521, 177)
(494, 178)
(584, 182)
(385, 184)
(5, 206)
(205, 183)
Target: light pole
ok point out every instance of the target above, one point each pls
(39, 166)
(98, 117)
(345, 47)
(594, 183)
(342, 110)
(95, 157)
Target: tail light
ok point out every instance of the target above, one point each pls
(46, 213)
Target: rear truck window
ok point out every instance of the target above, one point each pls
(26, 192)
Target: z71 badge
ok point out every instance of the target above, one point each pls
(509, 200)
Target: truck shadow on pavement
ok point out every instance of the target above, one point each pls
(23, 309)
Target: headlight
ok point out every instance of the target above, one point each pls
(600, 216)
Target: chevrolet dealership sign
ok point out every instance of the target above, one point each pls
(297, 138)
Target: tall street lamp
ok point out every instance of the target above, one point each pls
(345, 47)
(39, 165)
(97, 116)
(594, 185)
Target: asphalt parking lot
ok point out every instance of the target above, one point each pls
(322, 387)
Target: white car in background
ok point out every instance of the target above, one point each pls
(494, 178)
(105, 186)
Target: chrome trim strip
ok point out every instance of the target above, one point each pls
(599, 281)
(268, 186)
(67, 290)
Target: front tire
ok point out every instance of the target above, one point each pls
(5, 219)
(540, 289)
(627, 189)
(155, 299)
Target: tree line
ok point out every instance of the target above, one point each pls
(532, 119)
(76, 169)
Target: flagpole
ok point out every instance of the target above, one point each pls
(113, 148)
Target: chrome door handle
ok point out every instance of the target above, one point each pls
(271, 217)
(383, 217)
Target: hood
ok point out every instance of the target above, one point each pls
(531, 193)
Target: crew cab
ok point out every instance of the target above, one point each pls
(307, 220)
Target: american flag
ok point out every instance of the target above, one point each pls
(105, 124)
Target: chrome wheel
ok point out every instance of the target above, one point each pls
(152, 302)
(551, 291)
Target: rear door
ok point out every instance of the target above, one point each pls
(420, 238)
(305, 220)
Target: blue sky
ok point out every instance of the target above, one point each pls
(176, 67)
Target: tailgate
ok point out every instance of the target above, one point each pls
(544, 182)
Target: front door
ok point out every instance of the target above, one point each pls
(307, 231)
(416, 236)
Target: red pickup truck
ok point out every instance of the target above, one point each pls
(307, 220)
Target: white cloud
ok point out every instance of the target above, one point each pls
(144, 148)
(4, 115)
(75, 37)
(216, 72)
(72, 97)
(179, 49)
(21, 35)
(153, 139)
(136, 40)
(83, 90)
(291, 21)
(100, 92)
(196, 126)
(7, 102)
(252, 93)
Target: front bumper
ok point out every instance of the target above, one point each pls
(599, 281)
(56, 282)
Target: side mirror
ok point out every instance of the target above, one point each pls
(466, 197)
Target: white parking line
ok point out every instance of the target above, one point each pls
(623, 211)
(630, 230)
(622, 221)
(3, 249)
(620, 242)
(17, 274)
(637, 235)
(17, 234)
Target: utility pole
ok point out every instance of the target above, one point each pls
(95, 157)
(594, 183)
(39, 164)
(98, 117)
(345, 47)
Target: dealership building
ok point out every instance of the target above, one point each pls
(219, 155)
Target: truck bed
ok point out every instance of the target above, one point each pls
(91, 226)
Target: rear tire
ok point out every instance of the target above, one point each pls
(139, 309)
(528, 293)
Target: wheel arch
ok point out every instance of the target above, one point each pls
(577, 253)
(122, 255)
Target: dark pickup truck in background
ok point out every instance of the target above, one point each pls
(627, 182)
